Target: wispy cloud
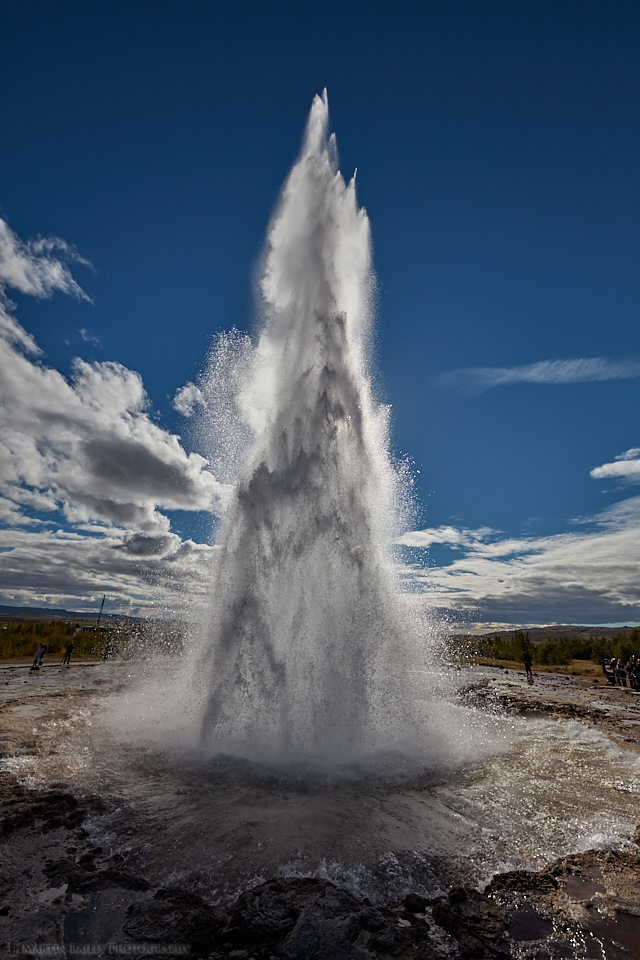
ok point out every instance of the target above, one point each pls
(89, 337)
(476, 380)
(446, 536)
(626, 466)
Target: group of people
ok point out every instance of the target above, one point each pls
(621, 674)
(42, 649)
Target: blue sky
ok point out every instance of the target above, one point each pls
(497, 148)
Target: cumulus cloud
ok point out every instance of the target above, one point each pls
(83, 450)
(476, 380)
(87, 478)
(89, 445)
(626, 466)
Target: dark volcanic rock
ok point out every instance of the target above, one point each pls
(175, 916)
(522, 881)
(414, 903)
(297, 919)
(46, 810)
(582, 899)
(267, 911)
(307, 919)
(86, 881)
(476, 923)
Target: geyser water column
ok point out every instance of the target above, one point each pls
(306, 647)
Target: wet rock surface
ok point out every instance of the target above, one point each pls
(61, 889)
(613, 710)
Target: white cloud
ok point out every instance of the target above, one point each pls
(187, 399)
(66, 569)
(87, 449)
(574, 577)
(476, 380)
(89, 444)
(37, 267)
(626, 466)
(445, 535)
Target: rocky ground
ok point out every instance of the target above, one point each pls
(62, 895)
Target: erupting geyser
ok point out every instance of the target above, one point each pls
(306, 648)
(309, 652)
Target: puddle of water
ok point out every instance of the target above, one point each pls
(99, 918)
(528, 924)
(582, 889)
(620, 936)
(53, 893)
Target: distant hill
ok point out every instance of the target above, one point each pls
(556, 630)
(29, 614)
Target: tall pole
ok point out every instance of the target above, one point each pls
(100, 614)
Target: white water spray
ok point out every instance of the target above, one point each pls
(306, 649)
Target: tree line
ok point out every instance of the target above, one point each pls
(130, 639)
(21, 638)
(557, 651)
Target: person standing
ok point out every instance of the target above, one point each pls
(67, 654)
(39, 657)
(527, 666)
